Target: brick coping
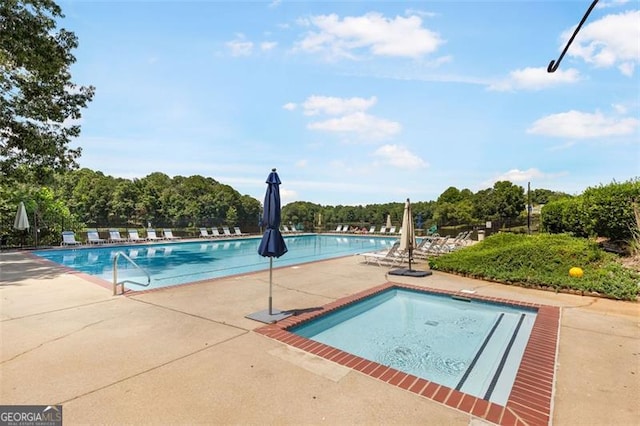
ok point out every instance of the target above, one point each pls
(531, 396)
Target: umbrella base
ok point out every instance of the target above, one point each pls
(269, 318)
(406, 272)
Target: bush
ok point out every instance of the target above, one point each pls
(605, 211)
(543, 260)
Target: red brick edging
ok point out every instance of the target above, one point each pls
(531, 395)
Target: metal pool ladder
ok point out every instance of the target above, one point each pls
(115, 273)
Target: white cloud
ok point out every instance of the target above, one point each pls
(609, 41)
(516, 175)
(275, 3)
(373, 33)
(583, 125)
(268, 45)
(521, 177)
(287, 195)
(400, 157)
(535, 79)
(422, 13)
(329, 105)
(240, 46)
(301, 164)
(359, 123)
(289, 106)
(620, 109)
(613, 3)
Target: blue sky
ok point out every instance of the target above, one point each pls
(360, 102)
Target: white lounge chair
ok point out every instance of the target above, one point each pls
(94, 238)
(392, 257)
(227, 232)
(432, 246)
(238, 232)
(168, 234)
(338, 228)
(383, 229)
(372, 229)
(392, 230)
(204, 233)
(285, 228)
(114, 237)
(134, 237)
(215, 233)
(69, 239)
(152, 236)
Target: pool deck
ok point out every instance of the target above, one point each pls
(187, 354)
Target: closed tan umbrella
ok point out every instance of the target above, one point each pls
(408, 243)
(22, 221)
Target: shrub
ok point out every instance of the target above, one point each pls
(543, 260)
(606, 211)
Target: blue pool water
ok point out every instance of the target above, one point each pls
(183, 262)
(472, 346)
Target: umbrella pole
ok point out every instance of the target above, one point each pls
(270, 281)
(410, 256)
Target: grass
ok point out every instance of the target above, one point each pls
(543, 260)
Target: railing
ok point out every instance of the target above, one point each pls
(115, 273)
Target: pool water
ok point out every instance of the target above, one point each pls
(184, 262)
(468, 345)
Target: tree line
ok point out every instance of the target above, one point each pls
(504, 203)
(83, 198)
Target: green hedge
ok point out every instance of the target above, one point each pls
(543, 260)
(605, 211)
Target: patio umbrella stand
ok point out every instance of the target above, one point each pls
(272, 245)
(407, 243)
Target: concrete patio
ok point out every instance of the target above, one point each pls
(187, 354)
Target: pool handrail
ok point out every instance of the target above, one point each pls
(115, 273)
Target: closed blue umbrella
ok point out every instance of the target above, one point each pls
(272, 244)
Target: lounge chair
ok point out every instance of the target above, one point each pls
(392, 230)
(134, 237)
(94, 238)
(204, 233)
(238, 232)
(432, 247)
(168, 234)
(392, 257)
(227, 232)
(114, 237)
(338, 228)
(383, 229)
(215, 233)
(372, 229)
(152, 236)
(285, 228)
(69, 239)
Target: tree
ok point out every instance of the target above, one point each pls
(509, 200)
(39, 104)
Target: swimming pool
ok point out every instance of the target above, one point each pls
(529, 400)
(472, 346)
(176, 263)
